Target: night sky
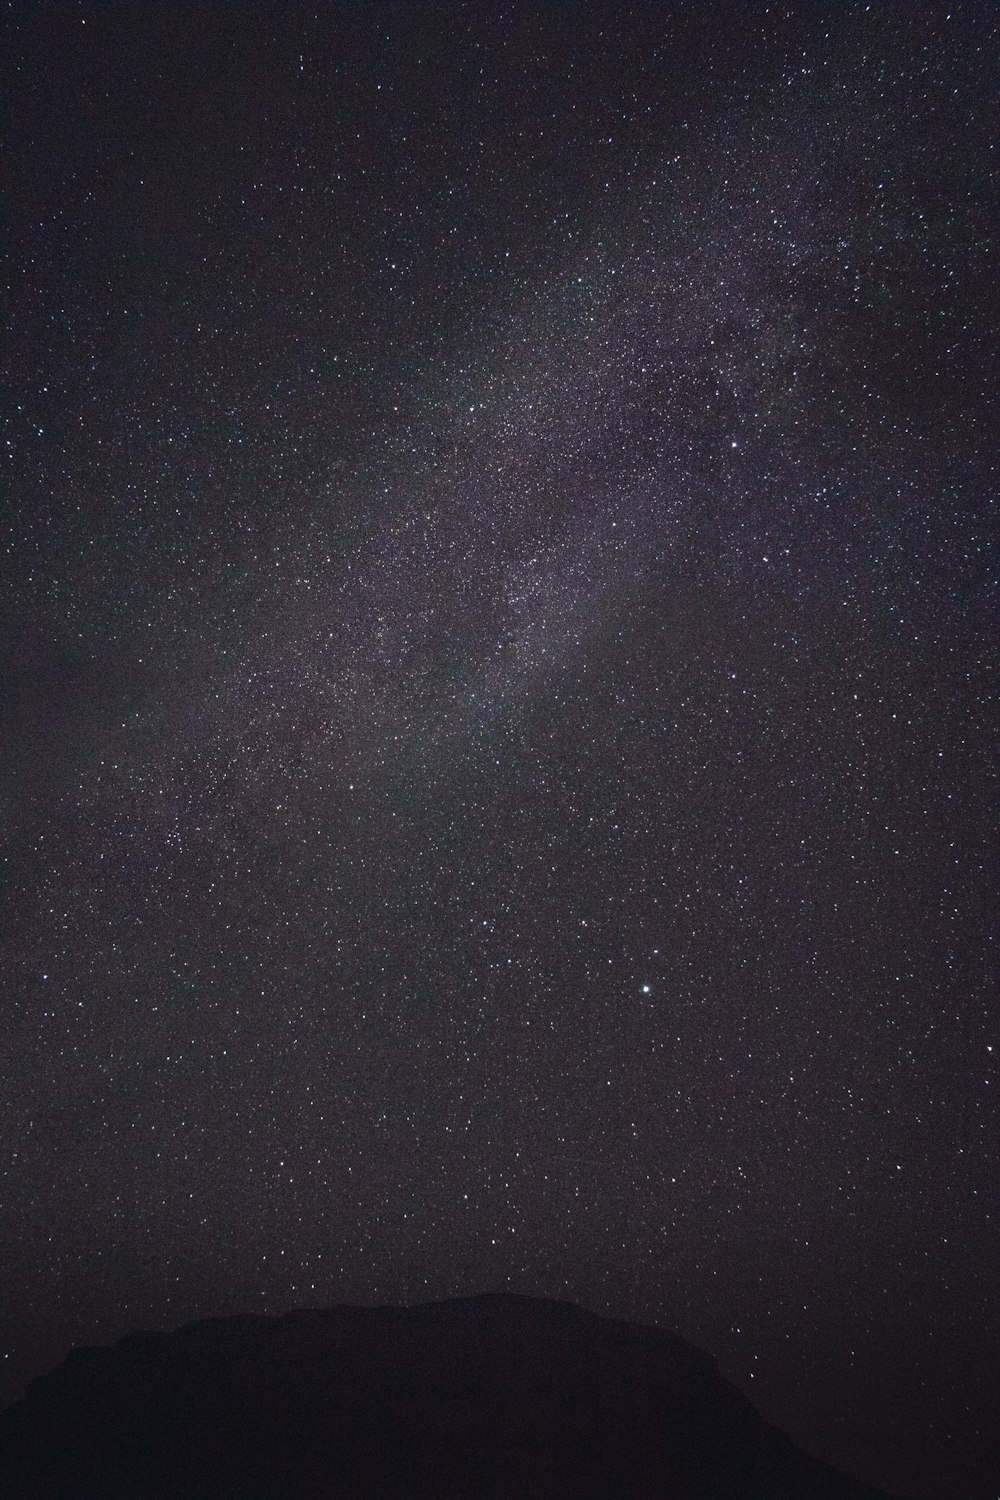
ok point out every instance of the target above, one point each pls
(496, 611)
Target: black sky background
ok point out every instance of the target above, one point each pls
(497, 608)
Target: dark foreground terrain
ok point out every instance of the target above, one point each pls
(476, 1399)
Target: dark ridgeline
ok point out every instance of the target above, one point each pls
(474, 1399)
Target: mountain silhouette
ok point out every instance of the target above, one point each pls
(481, 1398)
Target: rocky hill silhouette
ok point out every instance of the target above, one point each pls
(482, 1398)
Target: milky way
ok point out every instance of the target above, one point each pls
(497, 606)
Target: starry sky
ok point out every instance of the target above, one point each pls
(496, 614)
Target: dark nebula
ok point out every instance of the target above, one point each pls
(497, 612)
